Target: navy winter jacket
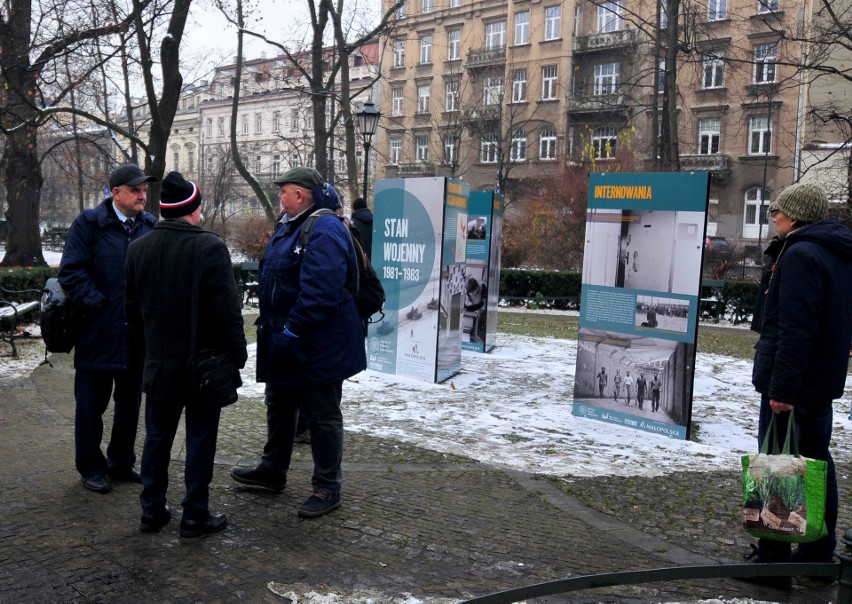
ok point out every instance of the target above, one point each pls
(92, 272)
(805, 326)
(310, 292)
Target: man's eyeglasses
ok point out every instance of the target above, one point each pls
(773, 212)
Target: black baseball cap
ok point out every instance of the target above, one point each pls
(128, 174)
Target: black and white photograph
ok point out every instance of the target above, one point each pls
(662, 314)
(477, 228)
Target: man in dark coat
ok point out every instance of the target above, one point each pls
(802, 355)
(362, 218)
(309, 339)
(163, 270)
(92, 272)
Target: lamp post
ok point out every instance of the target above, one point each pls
(368, 122)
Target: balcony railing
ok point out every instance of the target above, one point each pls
(417, 169)
(485, 57)
(605, 41)
(718, 164)
(481, 113)
(597, 103)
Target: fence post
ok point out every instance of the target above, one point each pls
(844, 590)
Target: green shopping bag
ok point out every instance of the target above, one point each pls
(784, 493)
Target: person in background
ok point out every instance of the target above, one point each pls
(163, 270)
(656, 385)
(92, 272)
(362, 218)
(802, 355)
(309, 339)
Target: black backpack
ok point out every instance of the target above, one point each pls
(58, 317)
(369, 295)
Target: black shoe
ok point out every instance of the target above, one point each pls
(304, 438)
(778, 582)
(190, 529)
(257, 477)
(125, 475)
(151, 523)
(97, 483)
(319, 504)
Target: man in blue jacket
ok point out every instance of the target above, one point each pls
(309, 339)
(802, 355)
(92, 271)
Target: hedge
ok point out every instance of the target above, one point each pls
(29, 281)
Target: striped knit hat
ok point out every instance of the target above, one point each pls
(802, 202)
(178, 196)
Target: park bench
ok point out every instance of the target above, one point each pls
(247, 277)
(14, 307)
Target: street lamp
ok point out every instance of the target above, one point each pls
(368, 123)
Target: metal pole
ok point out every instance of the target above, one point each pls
(366, 164)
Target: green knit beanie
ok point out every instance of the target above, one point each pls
(802, 203)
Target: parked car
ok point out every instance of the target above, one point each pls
(718, 248)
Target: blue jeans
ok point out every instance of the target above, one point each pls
(813, 424)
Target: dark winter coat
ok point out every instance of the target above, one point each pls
(363, 221)
(310, 293)
(160, 269)
(92, 272)
(806, 319)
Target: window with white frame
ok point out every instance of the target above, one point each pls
(606, 78)
(552, 22)
(276, 166)
(276, 121)
(709, 135)
(768, 6)
(396, 102)
(449, 149)
(395, 149)
(309, 121)
(402, 10)
(756, 204)
(423, 92)
(495, 35)
(455, 3)
(399, 53)
(209, 127)
(603, 142)
(759, 135)
(712, 212)
(548, 83)
(451, 96)
(764, 63)
(190, 158)
(176, 160)
(664, 15)
(518, 150)
(717, 10)
(258, 123)
(522, 28)
(454, 44)
(547, 143)
(220, 126)
(294, 119)
(258, 164)
(609, 16)
(425, 6)
(714, 70)
(661, 76)
(421, 148)
(488, 149)
(425, 49)
(245, 123)
(493, 91)
(519, 85)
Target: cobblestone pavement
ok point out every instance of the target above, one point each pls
(438, 527)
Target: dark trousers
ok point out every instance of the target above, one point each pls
(320, 407)
(92, 391)
(162, 417)
(813, 426)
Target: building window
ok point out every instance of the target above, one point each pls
(522, 28)
(714, 71)
(209, 127)
(759, 135)
(399, 53)
(768, 6)
(548, 83)
(756, 203)
(519, 85)
(294, 119)
(453, 44)
(400, 12)
(449, 149)
(547, 143)
(709, 134)
(425, 6)
(455, 3)
(764, 63)
(421, 148)
(552, 22)
(606, 78)
(495, 35)
(396, 102)
(425, 49)
(451, 96)
(609, 16)
(488, 149)
(717, 10)
(220, 126)
(395, 150)
(190, 159)
(493, 93)
(176, 160)
(258, 164)
(423, 92)
(276, 166)
(258, 123)
(276, 121)
(712, 213)
(603, 142)
(518, 151)
(661, 76)
(244, 121)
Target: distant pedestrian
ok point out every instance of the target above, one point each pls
(616, 383)
(656, 384)
(641, 388)
(92, 271)
(628, 387)
(603, 380)
(362, 218)
(163, 271)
